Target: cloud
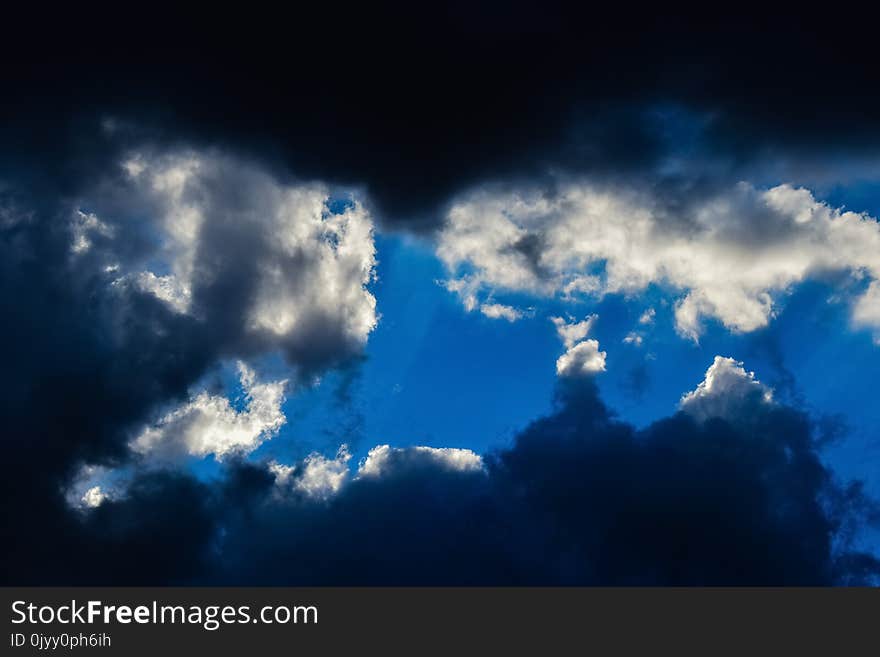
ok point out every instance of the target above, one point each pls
(578, 497)
(582, 357)
(209, 425)
(93, 485)
(633, 338)
(573, 332)
(317, 476)
(866, 312)
(729, 254)
(206, 425)
(287, 270)
(556, 93)
(166, 288)
(500, 311)
(83, 226)
(727, 391)
(151, 268)
(384, 459)
(636, 338)
(93, 497)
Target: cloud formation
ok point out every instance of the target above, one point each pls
(129, 289)
(582, 357)
(727, 392)
(728, 256)
(535, 93)
(209, 425)
(383, 459)
(577, 498)
(316, 476)
(283, 267)
(500, 311)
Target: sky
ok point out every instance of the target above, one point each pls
(500, 298)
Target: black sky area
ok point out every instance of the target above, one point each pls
(392, 97)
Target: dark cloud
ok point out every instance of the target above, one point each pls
(79, 378)
(579, 498)
(418, 105)
(92, 356)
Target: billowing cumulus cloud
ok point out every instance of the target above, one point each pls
(316, 476)
(729, 254)
(193, 257)
(582, 357)
(93, 497)
(727, 391)
(282, 264)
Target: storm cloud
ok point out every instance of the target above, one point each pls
(123, 297)
(578, 498)
(391, 99)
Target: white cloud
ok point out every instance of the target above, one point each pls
(92, 485)
(571, 333)
(342, 258)
(582, 357)
(633, 338)
(728, 255)
(726, 389)
(499, 311)
(83, 226)
(320, 477)
(636, 338)
(93, 497)
(208, 424)
(383, 459)
(317, 476)
(579, 286)
(166, 288)
(867, 310)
